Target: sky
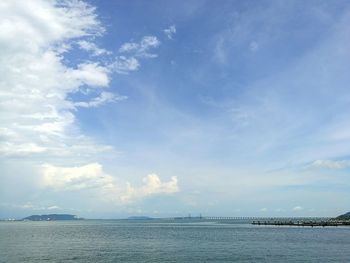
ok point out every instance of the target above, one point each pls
(110, 109)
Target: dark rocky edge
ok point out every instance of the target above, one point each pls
(342, 220)
(344, 216)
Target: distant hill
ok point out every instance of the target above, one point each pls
(345, 216)
(52, 217)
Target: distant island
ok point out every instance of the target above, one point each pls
(52, 217)
(345, 216)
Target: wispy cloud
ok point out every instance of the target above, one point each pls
(54, 207)
(170, 31)
(31, 206)
(124, 65)
(132, 52)
(103, 98)
(93, 48)
(254, 46)
(297, 208)
(141, 49)
(331, 164)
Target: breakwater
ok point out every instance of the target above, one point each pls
(304, 223)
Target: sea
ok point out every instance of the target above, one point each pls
(169, 241)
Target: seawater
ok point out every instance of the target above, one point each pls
(153, 241)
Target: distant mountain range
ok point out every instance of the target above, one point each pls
(52, 217)
(345, 216)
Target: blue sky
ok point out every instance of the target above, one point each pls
(115, 108)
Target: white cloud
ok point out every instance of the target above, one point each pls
(42, 23)
(124, 65)
(91, 47)
(132, 53)
(141, 49)
(169, 32)
(90, 74)
(54, 207)
(75, 178)
(297, 208)
(35, 115)
(103, 98)
(129, 46)
(264, 209)
(330, 164)
(91, 177)
(21, 149)
(152, 185)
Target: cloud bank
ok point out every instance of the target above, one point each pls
(331, 164)
(104, 186)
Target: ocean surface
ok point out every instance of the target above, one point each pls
(139, 241)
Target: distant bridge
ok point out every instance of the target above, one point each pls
(240, 218)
